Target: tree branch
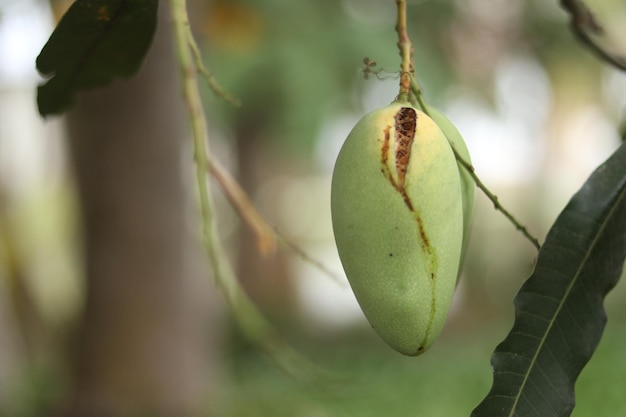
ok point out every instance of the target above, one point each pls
(582, 23)
(248, 316)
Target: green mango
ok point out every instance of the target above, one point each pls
(398, 222)
(468, 186)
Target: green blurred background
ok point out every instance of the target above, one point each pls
(538, 112)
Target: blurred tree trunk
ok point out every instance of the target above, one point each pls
(141, 347)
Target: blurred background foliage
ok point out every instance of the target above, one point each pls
(539, 113)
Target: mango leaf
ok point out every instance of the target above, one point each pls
(559, 313)
(95, 42)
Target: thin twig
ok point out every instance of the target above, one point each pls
(494, 199)
(582, 23)
(208, 75)
(307, 258)
(266, 242)
(265, 233)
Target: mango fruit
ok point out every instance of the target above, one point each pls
(397, 215)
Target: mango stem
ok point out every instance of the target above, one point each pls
(405, 47)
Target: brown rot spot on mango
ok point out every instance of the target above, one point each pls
(405, 124)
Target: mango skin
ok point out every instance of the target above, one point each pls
(468, 186)
(400, 246)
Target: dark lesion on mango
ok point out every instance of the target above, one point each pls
(405, 124)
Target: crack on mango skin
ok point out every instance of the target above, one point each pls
(405, 132)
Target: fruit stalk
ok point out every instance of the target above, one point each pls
(406, 53)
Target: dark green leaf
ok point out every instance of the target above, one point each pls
(559, 312)
(95, 42)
